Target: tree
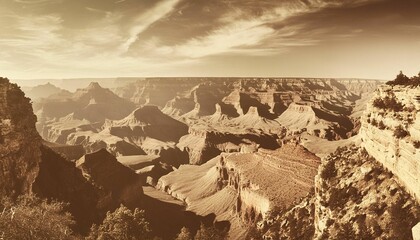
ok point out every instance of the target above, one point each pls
(185, 234)
(30, 217)
(122, 224)
(210, 233)
(403, 80)
(400, 132)
(328, 171)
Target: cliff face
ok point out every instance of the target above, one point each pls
(103, 170)
(27, 166)
(390, 131)
(19, 142)
(203, 144)
(59, 179)
(268, 180)
(354, 198)
(244, 188)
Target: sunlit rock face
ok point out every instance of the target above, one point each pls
(355, 195)
(192, 100)
(268, 180)
(19, 141)
(392, 136)
(244, 188)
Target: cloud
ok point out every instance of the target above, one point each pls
(158, 37)
(239, 34)
(144, 20)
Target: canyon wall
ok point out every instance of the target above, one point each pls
(19, 141)
(391, 133)
(244, 188)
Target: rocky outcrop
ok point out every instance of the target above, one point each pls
(147, 121)
(314, 120)
(103, 170)
(59, 179)
(199, 146)
(244, 188)
(70, 152)
(178, 106)
(355, 197)
(29, 167)
(268, 180)
(58, 117)
(20, 144)
(203, 144)
(390, 131)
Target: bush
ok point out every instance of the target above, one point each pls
(416, 144)
(381, 125)
(400, 132)
(374, 122)
(388, 103)
(210, 233)
(328, 171)
(185, 234)
(403, 80)
(122, 224)
(33, 218)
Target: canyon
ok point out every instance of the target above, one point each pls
(264, 158)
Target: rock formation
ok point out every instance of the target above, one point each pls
(203, 144)
(30, 167)
(354, 198)
(20, 144)
(252, 184)
(102, 169)
(44, 91)
(58, 117)
(390, 132)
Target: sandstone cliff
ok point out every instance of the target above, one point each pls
(244, 188)
(29, 167)
(203, 144)
(390, 132)
(20, 144)
(354, 198)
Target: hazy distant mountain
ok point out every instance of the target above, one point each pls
(44, 91)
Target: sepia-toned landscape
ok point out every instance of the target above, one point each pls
(209, 120)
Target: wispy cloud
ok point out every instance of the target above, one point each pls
(144, 20)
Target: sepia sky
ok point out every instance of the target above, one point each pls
(303, 38)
